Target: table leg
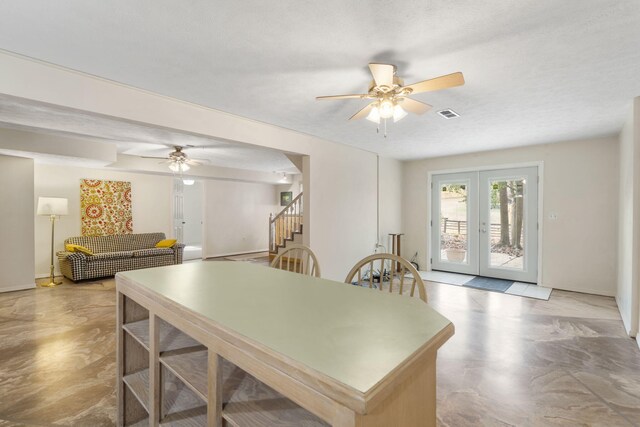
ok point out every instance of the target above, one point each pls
(214, 373)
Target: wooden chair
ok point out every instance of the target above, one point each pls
(387, 268)
(299, 259)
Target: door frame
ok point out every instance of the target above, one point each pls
(539, 164)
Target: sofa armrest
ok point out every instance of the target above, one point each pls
(64, 255)
(73, 265)
(178, 251)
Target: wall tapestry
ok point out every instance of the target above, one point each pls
(105, 207)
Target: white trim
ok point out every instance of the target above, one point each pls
(252, 251)
(487, 168)
(627, 327)
(203, 225)
(539, 164)
(47, 275)
(541, 222)
(18, 288)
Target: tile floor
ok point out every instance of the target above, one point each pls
(512, 362)
(521, 289)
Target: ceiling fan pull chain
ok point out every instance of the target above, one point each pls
(385, 128)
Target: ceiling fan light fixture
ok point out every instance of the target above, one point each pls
(398, 113)
(179, 167)
(386, 108)
(374, 115)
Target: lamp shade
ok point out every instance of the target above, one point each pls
(53, 206)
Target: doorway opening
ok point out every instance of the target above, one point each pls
(188, 217)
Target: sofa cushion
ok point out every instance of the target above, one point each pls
(117, 242)
(77, 248)
(166, 243)
(109, 255)
(152, 252)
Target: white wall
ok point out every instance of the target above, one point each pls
(151, 205)
(237, 217)
(390, 177)
(580, 186)
(17, 214)
(340, 218)
(627, 294)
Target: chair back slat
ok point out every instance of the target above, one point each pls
(371, 275)
(298, 259)
(397, 267)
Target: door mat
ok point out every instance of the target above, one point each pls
(489, 284)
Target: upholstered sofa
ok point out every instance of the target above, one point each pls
(112, 254)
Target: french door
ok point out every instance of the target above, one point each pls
(486, 223)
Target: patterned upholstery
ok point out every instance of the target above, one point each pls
(115, 253)
(109, 255)
(153, 252)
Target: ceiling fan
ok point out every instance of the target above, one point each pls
(390, 96)
(178, 159)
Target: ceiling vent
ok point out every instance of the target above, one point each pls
(448, 114)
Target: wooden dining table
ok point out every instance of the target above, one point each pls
(231, 343)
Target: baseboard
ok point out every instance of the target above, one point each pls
(626, 327)
(254, 251)
(46, 275)
(18, 288)
(588, 291)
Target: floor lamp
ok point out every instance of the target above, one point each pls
(52, 207)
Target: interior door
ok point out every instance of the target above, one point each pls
(509, 224)
(454, 225)
(178, 209)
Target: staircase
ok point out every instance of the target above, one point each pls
(285, 227)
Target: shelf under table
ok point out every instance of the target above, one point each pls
(246, 401)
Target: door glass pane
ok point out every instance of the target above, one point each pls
(507, 223)
(453, 222)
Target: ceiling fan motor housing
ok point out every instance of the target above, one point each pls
(376, 91)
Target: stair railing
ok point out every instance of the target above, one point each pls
(284, 224)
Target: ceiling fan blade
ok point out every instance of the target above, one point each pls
(413, 106)
(192, 161)
(152, 157)
(382, 74)
(362, 113)
(442, 82)
(357, 96)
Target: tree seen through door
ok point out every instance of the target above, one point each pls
(505, 228)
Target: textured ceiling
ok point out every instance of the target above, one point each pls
(136, 139)
(537, 71)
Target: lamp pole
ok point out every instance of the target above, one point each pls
(52, 207)
(52, 281)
